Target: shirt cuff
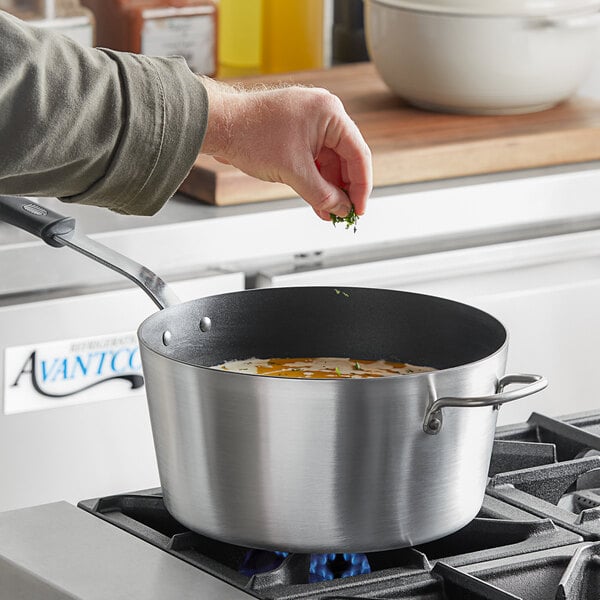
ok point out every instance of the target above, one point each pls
(165, 122)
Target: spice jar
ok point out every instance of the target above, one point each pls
(23, 9)
(160, 28)
(67, 17)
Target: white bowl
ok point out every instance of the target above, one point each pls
(455, 56)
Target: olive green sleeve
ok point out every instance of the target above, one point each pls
(94, 126)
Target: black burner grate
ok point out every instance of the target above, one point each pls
(501, 530)
(564, 485)
(527, 543)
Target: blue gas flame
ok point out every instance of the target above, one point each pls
(261, 561)
(323, 567)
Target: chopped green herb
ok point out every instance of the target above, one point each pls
(345, 294)
(357, 367)
(338, 372)
(337, 292)
(351, 219)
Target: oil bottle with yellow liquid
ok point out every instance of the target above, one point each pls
(240, 38)
(270, 36)
(292, 35)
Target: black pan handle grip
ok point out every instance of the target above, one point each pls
(36, 219)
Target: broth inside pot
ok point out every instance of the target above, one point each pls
(321, 368)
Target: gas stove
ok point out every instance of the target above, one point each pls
(536, 537)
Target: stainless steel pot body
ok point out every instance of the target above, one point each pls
(321, 465)
(312, 465)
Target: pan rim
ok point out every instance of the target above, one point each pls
(341, 381)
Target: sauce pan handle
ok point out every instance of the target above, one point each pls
(533, 384)
(58, 230)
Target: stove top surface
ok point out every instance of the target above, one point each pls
(536, 537)
(500, 531)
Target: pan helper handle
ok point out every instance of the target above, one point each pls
(533, 384)
(58, 230)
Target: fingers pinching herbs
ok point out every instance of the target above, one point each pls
(295, 135)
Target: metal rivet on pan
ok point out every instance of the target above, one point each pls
(205, 324)
(433, 425)
(166, 337)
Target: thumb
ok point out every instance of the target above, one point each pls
(324, 197)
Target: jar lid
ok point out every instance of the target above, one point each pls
(503, 8)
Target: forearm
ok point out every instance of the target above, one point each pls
(94, 127)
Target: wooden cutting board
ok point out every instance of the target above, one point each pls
(410, 145)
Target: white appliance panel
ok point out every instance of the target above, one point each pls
(82, 450)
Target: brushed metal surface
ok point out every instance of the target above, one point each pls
(158, 291)
(320, 465)
(60, 552)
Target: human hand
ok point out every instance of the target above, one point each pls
(294, 135)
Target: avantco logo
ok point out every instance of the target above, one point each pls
(71, 371)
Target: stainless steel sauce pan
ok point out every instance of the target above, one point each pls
(342, 465)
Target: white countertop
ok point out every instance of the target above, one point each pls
(187, 235)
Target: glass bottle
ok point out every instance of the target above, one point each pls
(240, 32)
(292, 35)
